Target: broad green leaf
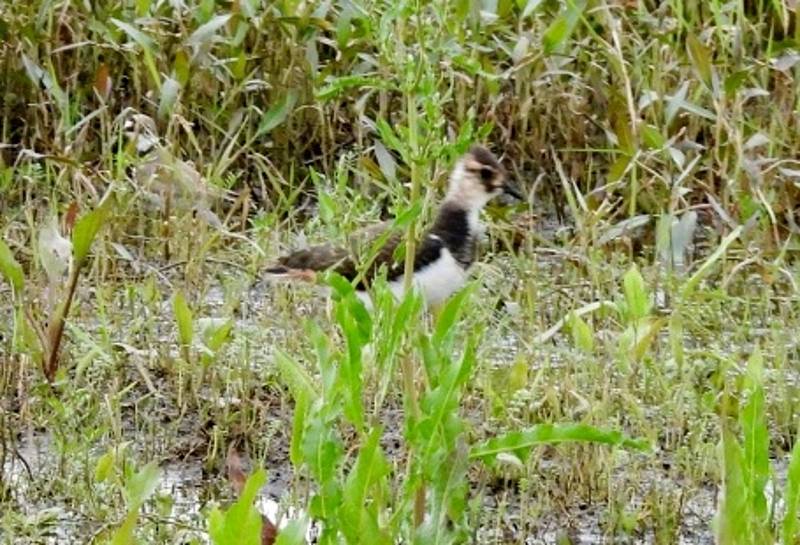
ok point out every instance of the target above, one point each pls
(135, 34)
(215, 337)
(277, 113)
(652, 137)
(87, 227)
(582, 334)
(183, 318)
(205, 32)
(709, 263)
(521, 442)
(293, 533)
(700, 56)
(103, 466)
(141, 485)
(124, 534)
(169, 96)
(181, 67)
(301, 406)
(620, 121)
(11, 269)
(449, 495)
(791, 496)
(561, 29)
(636, 295)
(343, 84)
(530, 7)
(390, 138)
(756, 438)
(241, 523)
(440, 405)
(386, 161)
(734, 82)
(322, 452)
(447, 318)
(639, 336)
(731, 520)
(677, 337)
(359, 513)
(350, 366)
(296, 377)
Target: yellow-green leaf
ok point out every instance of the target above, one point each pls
(11, 269)
(87, 227)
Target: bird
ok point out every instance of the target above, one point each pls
(444, 254)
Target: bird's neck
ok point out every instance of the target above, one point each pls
(456, 224)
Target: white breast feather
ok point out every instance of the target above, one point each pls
(437, 281)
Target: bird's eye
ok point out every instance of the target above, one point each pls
(487, 174)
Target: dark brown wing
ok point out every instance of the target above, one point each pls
(375, 239)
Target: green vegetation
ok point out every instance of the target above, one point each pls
(624, 367)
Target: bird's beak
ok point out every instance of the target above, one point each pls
(511, 188)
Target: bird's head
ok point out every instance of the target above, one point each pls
(477, 178)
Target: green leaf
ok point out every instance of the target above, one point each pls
(86, 228)
(530, 7)
(296, 377)
(169, 96)
(700, 56)
(205, 32)
(582, 334)
(322, 453)
(449, 315)
(301, 405)
(652, 137)
(734, 82)
(277, 114)
(103, 466)
(141, 485)
(241, 523)
(636, 295)
(351, 366)
(521, 442)
(359, 514)
(293, 533)
(756, 439)
(135, 34)
(181, 67)
(183, 318)
(343, 84)
(11, 269)
(731, 520)
(124, 534)
(561, 29)
(215, 337)
(707, 265)
(791, 496)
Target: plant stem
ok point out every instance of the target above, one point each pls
(56, 329)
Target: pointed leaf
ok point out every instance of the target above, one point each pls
(520, 442)
(205, 32)
(560, 30)
(278, 113)
(791, 496)
(11, 269)
(87, 227)
(135, 34)
(700, 56)
(183, 318)
(141, 485)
